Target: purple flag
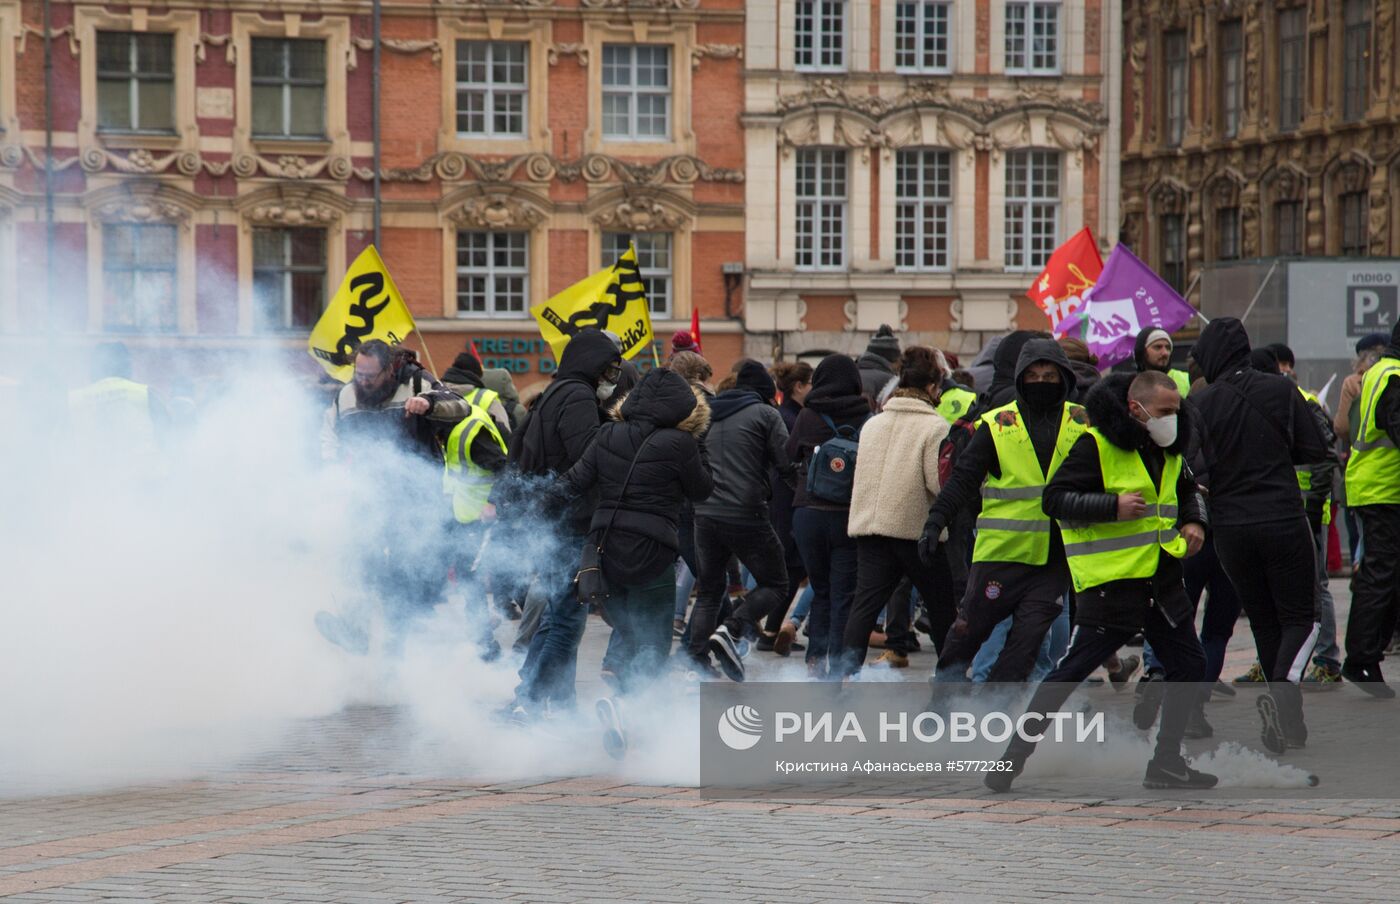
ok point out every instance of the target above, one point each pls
(1127, 297)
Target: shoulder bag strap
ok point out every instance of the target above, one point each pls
(622, 493)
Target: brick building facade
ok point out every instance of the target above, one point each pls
(213, 166)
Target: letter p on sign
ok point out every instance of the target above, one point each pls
(1372, 309)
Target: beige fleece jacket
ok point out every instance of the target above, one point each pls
(897, 470)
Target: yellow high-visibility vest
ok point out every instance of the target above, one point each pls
(468, 483)
(1373, 471)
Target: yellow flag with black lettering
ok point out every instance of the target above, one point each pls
(612, 299)
(367, 306)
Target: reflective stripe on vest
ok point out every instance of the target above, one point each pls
(1012, 526)
(1182, 380)
(1305, 472)
(467, 483)
(482, 398)
(1118, 550)
(1373, 471)
(954, 403)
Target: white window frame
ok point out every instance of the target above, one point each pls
(923, 18)
(633, 92)
(1030, 210)
(134, 78)
(494, 302)
(815, 19)
(491, 89)
(615, 244)
(1028, 64)
(287, 270)
(818, 205)
(286, 82)
(913, 212)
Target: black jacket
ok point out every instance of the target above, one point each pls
(836, 394)
(1076, 494)
(1005, 362)
(875, 373)
(746, 441)
(644, 511)
(1255, 428)
(979, 459)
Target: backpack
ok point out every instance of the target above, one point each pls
(958, 438)
(831, 474)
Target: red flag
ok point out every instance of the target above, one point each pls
(695, 328)
(471, 347)
(1071, 271)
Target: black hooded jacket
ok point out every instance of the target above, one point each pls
(746, 443)
(1005, 362)
(979, 459)
(1076, 494)
(1255, 428)
(665, 413)
(836, 394)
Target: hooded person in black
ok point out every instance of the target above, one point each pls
(819, 525)
(1004, 363)
(997, 588)
(559, 429)
(1135, 414)
(1256, 428)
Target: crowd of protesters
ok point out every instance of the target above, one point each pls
(834, 507)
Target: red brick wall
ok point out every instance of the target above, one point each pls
(216, 286)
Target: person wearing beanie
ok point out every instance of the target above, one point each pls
(466, 378)
(1153, 351)
(682, 341)
(1373, 492)
(877, 364)
(747, 439)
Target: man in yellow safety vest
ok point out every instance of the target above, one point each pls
(475, 452)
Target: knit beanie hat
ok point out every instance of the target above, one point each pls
(755, 376)
(884, 344)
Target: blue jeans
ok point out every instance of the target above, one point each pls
(685, 582)
(829, 555)
(804, 606)
(1326, 652)
(551, 662)
(1052, 648)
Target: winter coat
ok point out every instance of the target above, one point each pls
(464, 382)
(1255, 428)
(897, 469)
(499, 380)
(422, 434)
(1076, 494)
(1086, 377)
(746, 439)
(875, 373)
(836, 394)
(640, 515)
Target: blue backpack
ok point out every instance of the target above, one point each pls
(831, 474)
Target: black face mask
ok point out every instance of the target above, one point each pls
(1042, 396)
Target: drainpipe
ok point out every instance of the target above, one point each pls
(374, 123)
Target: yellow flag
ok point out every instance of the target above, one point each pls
(611, 299)
(367, 306)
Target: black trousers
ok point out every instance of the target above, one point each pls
(1176, 646)
(1375, 585)
(1273, 567)
(881, 563)
(995, 590)
(1202, 572)
(756, 546)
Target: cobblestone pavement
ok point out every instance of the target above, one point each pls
(334, 813)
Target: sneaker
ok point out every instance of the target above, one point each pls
(1150, 689)
(1196, 725)
(783, 643)
(1271, 727)
(614, 734)
(1222, 689)
(1368, 678)
(699, 670)
(1255, 675)
(1127, 667)
(727, 649)
(766, 642)
(893, 660)
(515, 714)
(1163, 775)
(678, 628)
(1000, 782)
(1322, 678)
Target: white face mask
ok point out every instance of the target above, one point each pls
(1162, 430)
(605, 390)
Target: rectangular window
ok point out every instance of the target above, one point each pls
(1356, 56)
(1355, 241)
(493, 274)
(491, 89)
(1174, 52)
(1292, 35)
(921, 35)
(1227, 233)
(1231, 77)
(135, 82)
(289, 278)
(653, 259)
(138, 277)
(1032, 222)
(821, 209)
(923, 196)
(637, 92)
(1174, 251)
(1033, 37)
(819, 36)
(1288, 228)
(289, 88)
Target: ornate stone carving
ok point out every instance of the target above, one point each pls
(578, 50)
(639, 213)
(717, 51)
(1254, 65)
(1137, 62)
(291, 212)
(831, 93)
(1379, 223)
(225, 41)
(641, 4)
(1169, 197)
(140, 208)
(54, 35)
(498, 209)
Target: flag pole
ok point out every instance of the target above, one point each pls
(423, 341)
